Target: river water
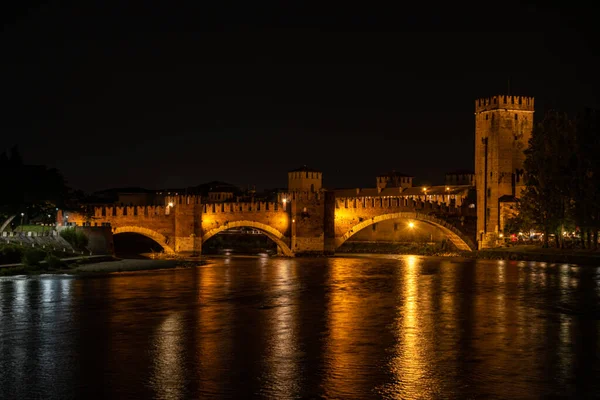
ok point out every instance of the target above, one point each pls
(342, 328)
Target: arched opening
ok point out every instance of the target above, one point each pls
(408, 227)
(239, 241)
(280, 242)
(134, 245)
(130, 241)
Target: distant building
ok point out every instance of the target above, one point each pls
(394, 180)
(460, 177)
(305, 179)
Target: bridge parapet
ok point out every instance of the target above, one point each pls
(236, 207)
(104, 212)
(392, 203)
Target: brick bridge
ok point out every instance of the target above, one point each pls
(299, 222)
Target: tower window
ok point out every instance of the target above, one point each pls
(489, 192)
(486, 117)
(374, 227)
(516, 117)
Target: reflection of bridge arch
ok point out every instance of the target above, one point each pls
(157, 237)
(456, 237)
(269, 231)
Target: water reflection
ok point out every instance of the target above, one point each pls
(35, 315)
(168, 371)
(281, 356)
(213, 330)
(356, 327)
(413, 351)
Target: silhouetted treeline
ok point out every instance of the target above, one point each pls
(31, 189)
(563, 177)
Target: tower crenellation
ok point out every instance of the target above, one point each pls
(524, 103)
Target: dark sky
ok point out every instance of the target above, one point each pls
(145, 95)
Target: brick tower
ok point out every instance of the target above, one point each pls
(305, 179)
(503, 126)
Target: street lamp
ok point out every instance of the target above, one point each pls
(22, 215)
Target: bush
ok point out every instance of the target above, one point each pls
(53, 262)
(11, 254)
(75, 238)
(33, 256)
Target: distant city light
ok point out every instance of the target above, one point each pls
(411, 225)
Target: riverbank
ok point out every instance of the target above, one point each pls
(97, 264)
(123, 265)
(536, 253)
(515, 253)
(417, 249)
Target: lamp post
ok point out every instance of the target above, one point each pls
(22, 215)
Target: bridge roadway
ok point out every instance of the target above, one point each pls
(299, 222)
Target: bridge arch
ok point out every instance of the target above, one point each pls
(269, 231)
(157, 237)
(457, 238)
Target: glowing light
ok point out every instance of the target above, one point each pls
(293, 220)
(284, 201)
(171, 204)
(411, 225)
(501, 235)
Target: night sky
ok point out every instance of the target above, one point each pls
(144, 95)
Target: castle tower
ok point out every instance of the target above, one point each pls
(394, 179)
(305, 179)
(503, 126)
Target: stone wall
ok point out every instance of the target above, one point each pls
(49, 240)
(503, 126)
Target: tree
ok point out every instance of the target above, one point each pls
(586, 178)
(546, 201)
(31, 189)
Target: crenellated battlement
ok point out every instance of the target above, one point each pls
(523, 103)
(235, 207)
(378, 202)
(127, 211)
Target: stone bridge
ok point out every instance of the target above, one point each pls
(298, 222)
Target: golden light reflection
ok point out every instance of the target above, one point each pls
(409, 365)
(214, 336)
(343, 352)
(168, 374)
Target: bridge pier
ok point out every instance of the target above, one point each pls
(188, 225)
